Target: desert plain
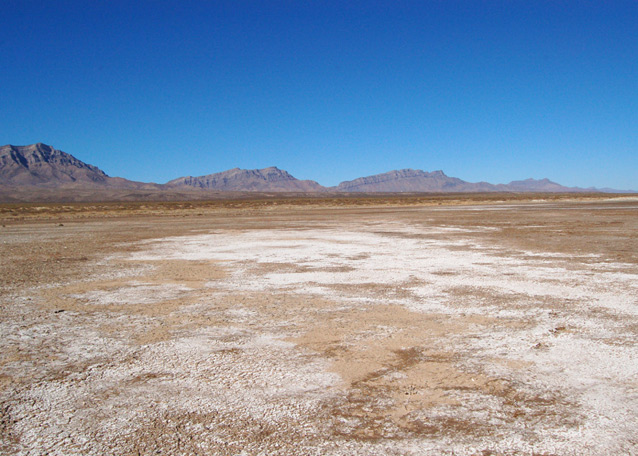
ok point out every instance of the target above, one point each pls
(476, 325)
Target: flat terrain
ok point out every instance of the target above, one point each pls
(478, 325)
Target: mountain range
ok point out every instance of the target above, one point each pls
(39, 166)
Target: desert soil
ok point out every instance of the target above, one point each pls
(481, 328)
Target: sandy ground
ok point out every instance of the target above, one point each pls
(491, 329)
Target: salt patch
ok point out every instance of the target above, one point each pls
(134, 293)
(592, 374)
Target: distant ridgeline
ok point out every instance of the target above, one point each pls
(42, 166)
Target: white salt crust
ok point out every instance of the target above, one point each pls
(582, 358)
(578, 340)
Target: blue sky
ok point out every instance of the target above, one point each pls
(329, 91)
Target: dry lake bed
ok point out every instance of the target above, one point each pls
(483, 328)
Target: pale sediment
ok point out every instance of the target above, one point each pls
(414, 332)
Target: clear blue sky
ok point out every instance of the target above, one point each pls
(328, 90)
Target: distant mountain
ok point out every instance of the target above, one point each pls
(249, 180)
(416, 181)
(412, 180)
(40, 165)
(538, 185)
(40, 172)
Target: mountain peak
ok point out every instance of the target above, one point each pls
(537, 185)
(42, 165)
(271, 179)
(404, 180)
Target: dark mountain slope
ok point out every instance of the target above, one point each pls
(40, 165)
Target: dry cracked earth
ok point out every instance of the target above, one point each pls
(479, 329)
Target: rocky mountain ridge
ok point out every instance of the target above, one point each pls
(42, 166)
(412, 180)
(39, 164)
(270, 179)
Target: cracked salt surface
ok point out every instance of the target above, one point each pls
(134, 293)
(595, 374)
(397, 261)
(210, 372)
